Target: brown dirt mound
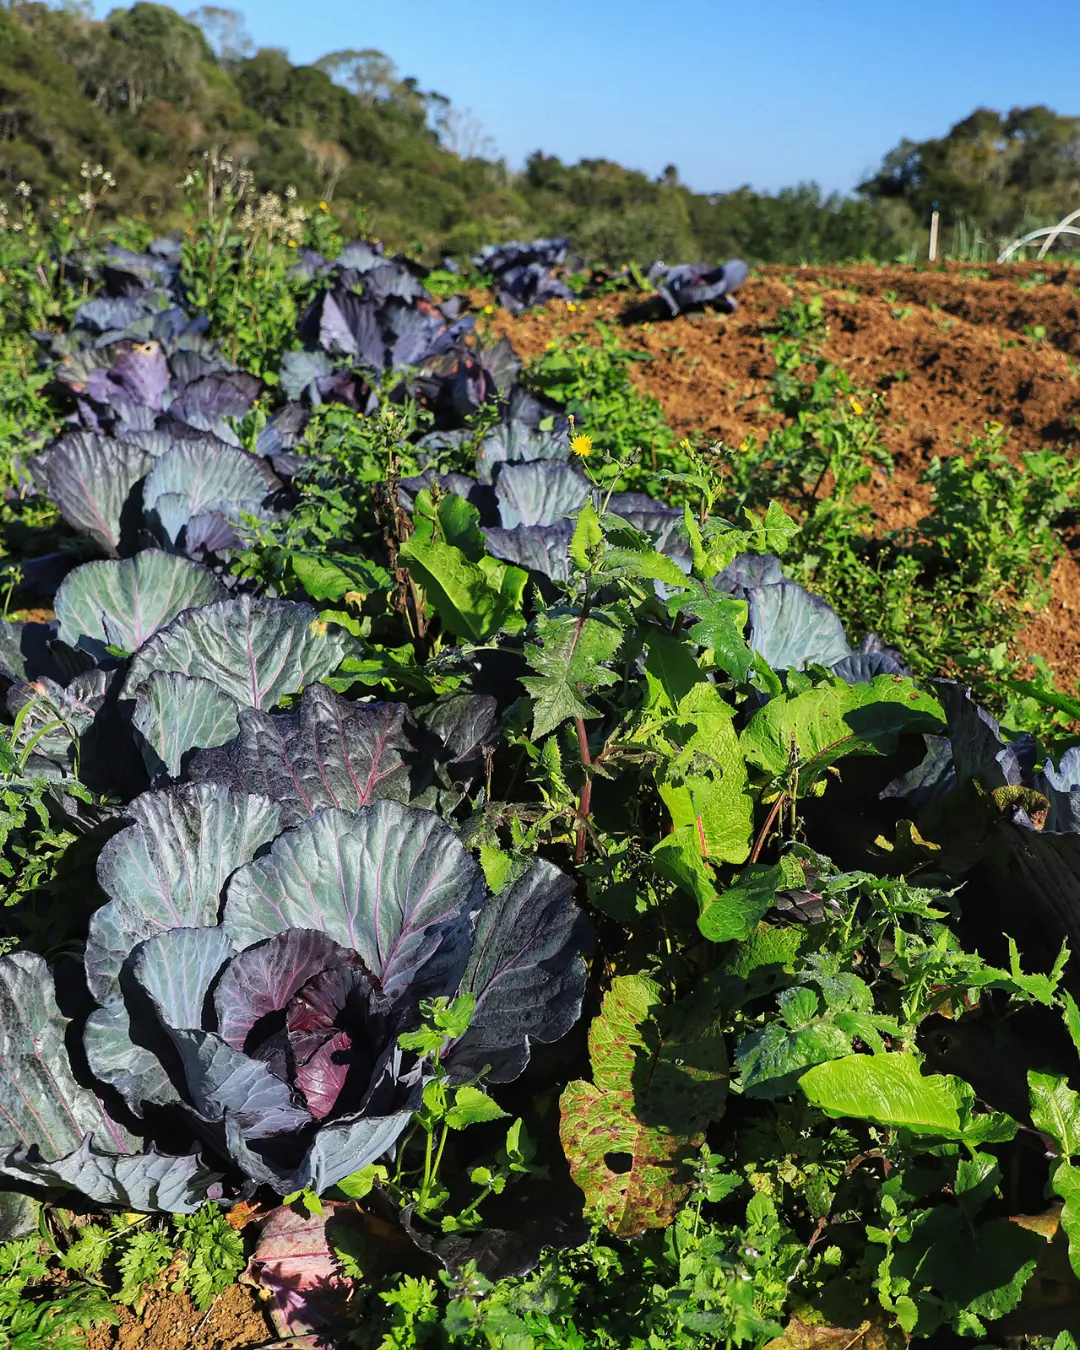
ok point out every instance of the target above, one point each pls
(234, 1321)
(948, 349)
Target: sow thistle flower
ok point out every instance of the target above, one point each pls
(581, 444)
(856, 407)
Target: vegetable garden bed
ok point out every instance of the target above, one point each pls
(486, 863)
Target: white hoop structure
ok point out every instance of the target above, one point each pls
(1074, 215)
(1053, 232)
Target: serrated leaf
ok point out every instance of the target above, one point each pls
(587, 536)
(569, 664)
(1055, 1109)
(720, 628)
(1066, 1183)
(472, 1107)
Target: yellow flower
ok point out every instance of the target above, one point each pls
(571, 306)
(550, 347)
(581, 445)
(856, 407)
(993, 428)
(489, 309)
(323, 206)
(292, 243)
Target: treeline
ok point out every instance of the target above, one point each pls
(146, 91)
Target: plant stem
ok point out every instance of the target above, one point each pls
(585, 802)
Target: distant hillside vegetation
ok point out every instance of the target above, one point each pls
(146, 91)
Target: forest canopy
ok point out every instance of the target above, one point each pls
(146, 91)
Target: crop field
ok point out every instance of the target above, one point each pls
(539, 807)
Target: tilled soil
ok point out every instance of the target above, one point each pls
(947, 349)
(234, 1321)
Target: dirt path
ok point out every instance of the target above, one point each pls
(947, 350)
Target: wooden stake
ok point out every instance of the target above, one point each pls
(934, 221)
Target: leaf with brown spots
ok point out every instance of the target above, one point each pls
(660, 1075)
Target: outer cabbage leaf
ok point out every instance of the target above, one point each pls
(390, 882)
(168, 870)
(514, 441)
(979, 751)
(176, 713)
(203, 474)
(121, 604)
(539, 548)
(525, 972)
(176, 970)
(90, 479)
(51, 1122)
(256, 650)
(329, 752)
(539, 494)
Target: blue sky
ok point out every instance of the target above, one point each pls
(768, 93)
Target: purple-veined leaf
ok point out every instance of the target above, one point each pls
(263, 979)
(390, 882)
(90, 479)
(526, 972)
(176, 970)
(255, 649)
(168, 870)
(122, 603)
(328, 752)
(177, 713)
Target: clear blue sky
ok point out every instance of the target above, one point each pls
(769, 93)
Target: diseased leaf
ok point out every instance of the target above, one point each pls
(255, 649)
(630, 1134)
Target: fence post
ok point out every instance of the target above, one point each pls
(935, 220)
